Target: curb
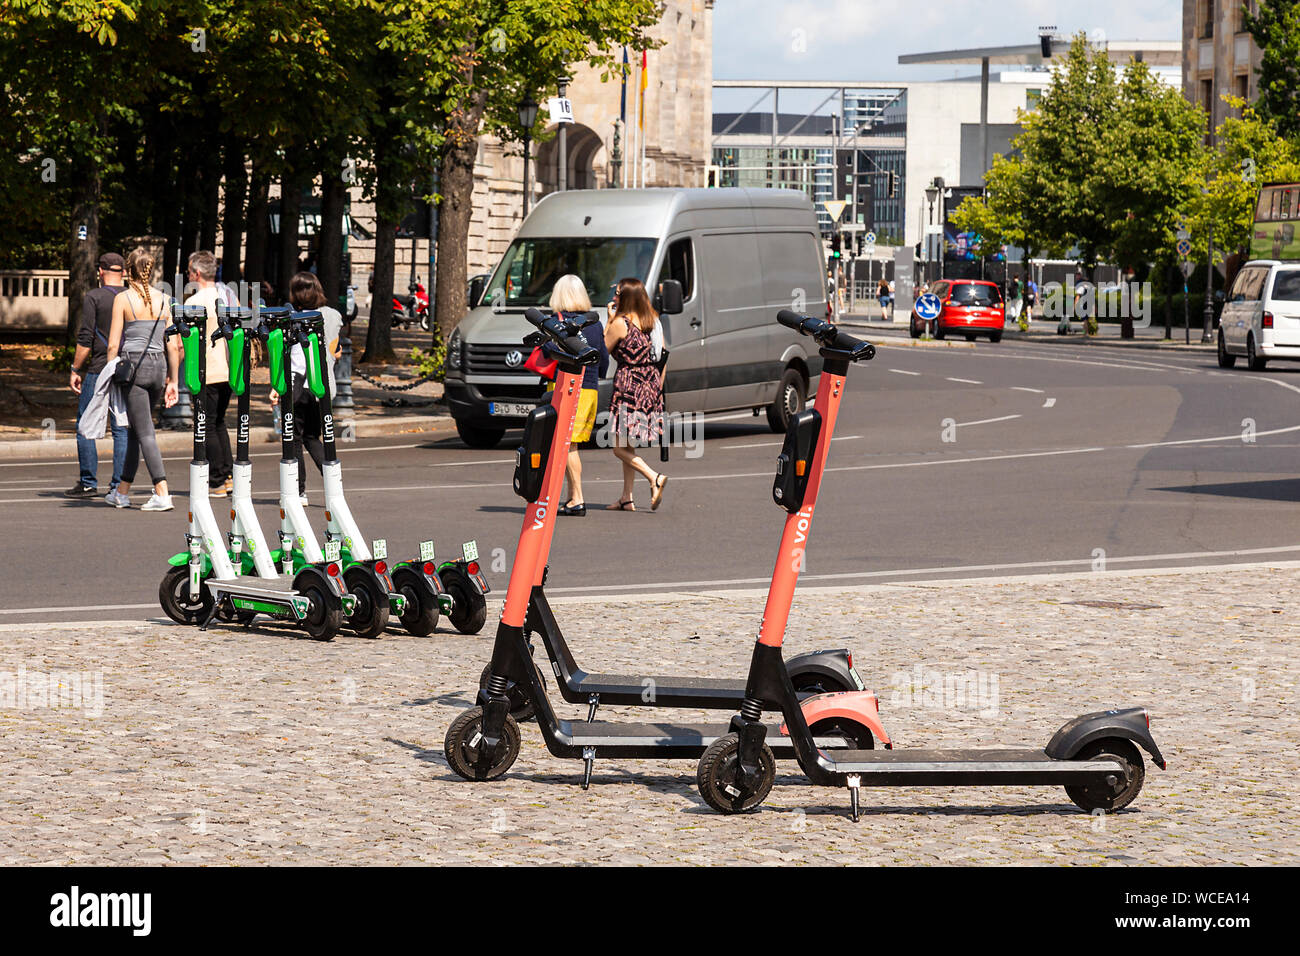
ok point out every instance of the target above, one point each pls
(171, 441)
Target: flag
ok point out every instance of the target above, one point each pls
(622, 97)
(645, 81)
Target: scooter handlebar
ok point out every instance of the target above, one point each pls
(828, 335)
(566, 335)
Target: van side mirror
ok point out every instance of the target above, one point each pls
(476, 287)
(669, 299)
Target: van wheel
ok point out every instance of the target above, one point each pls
(1253, 360)
(789, 401)
(1225, 360)
(477, 437)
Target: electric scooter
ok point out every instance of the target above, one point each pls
(365, 576)
(483, 742)
(209, 580)
(1095, 756)
(418, 582)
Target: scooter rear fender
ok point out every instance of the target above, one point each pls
(860, 706)
(834, 666)
(1132, 723)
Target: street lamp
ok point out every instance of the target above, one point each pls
(1209, 290)
(931, 194)
(562, 144)
(527, 117)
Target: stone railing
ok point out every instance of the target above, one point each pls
(33, 299)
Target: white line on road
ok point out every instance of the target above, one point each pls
(903, 371)
(986, 421)
(1022, 388)
(965, 381)
(84, 607)
(1049, 403)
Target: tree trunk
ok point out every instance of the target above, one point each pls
(456, 186)
(329, 254)
(232, 222)
(290, 206)
(255, 248)
(82, 253)
(379, 330)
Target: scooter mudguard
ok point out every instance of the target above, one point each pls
(476, 581)
(275, 353)
(314, 380)
(859, 706)
(183, 557)
(192, 343)
(1131, 723)
(832, 669)
(237, 361)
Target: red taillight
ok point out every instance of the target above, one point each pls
(473, 567)
(428, 567)
(1147, 715)
(332, 570)
(850, 658)
(381, 567)
(1268, 320)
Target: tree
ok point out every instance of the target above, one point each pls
(1276, 31)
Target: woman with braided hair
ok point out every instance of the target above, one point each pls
(140, 318)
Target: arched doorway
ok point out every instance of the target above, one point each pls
(586, 163)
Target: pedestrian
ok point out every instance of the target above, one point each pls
(882, 294)
(637, 406)
(202, 272)
(148, 371)
(306, 294)
(1031, 297)
(569, 299)
(87, 364)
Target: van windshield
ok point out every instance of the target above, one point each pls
(530, 267)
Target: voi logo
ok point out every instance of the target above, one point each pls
(539, 515)
(801, 526)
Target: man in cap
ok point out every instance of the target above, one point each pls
(87, 364)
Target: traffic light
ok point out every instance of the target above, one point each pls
(835, 245)
(893, 184)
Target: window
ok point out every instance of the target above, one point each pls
(530, 267)
(1286, 286)
(1243, 86)
(1249, 286)
(1207, 19)
(679, 264)
(970, 293)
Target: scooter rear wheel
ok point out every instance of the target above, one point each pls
(461, 746)
(174, 596)
(421, 614)
(716, 776)
(325, 616)
(1090, 796)
(469, 608)
(371, 614)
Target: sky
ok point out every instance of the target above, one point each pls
(862, 39)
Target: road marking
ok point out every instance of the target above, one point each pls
(1022, 388)
(965, 381)
(1049, 403)
(903, 371)
(986, 421)
(84, 607)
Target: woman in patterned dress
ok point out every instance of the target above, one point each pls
(637, 406)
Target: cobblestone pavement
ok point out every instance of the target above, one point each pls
(255, 747)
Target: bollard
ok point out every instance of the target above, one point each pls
(180, 417)
(343, 374)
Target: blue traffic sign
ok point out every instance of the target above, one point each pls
(1184, 248)
(928, 306)
(871, 238)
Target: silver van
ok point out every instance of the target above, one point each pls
(737, 256)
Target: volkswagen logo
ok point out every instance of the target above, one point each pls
(514, 358)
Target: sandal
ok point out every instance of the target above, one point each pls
(578, 510)
(657, 494)
(621, 505)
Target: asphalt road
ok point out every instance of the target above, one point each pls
(1060, 456)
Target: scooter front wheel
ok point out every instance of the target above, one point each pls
(174, 596)
(1097, 796)
(371, 614)
(717, 777)
(465, 737)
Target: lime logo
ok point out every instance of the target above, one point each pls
(300, 607)
(297, 542)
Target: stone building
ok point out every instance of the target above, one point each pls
(678, 110)
(1219, 57)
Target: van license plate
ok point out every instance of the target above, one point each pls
(512, 409)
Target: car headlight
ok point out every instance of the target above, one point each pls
(453, 349)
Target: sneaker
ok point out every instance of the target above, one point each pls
(302, 499)
(156, 503)
(80, 491)
(217, 491)
(117, 499)
(230, 486)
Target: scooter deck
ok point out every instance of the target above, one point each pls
(278, 589)
(665, 739)
(915, 768)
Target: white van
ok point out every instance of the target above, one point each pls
(739, 255)
(1261, 315)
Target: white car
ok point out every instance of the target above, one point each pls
(1261, 316)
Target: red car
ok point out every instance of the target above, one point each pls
(970, 307)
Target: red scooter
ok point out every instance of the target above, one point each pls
(409, 309)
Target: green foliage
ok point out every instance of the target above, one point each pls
(1276, 30)
(430, 363)
(60, 359)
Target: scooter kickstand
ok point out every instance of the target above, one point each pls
(593, 701)
(588, 758)
(212, 613)
(854, 782)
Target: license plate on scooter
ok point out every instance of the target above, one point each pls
(511, 409)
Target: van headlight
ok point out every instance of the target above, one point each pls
(453, 349)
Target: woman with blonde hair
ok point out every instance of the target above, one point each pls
(140, 318)
(569, 298)
(638, 403)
